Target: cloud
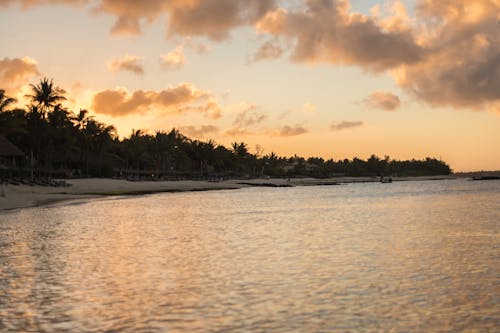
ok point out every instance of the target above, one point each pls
(127, 63)
(210, 108)
(173, 100)
(287, 130)
(268, 51)
(14, 72)
(383, 101)
(173, 59)
(131, 15)
(325, 31)
(209, 18)
(237, 131)
(214, 18)
(448, 54)
(345, 125)
(462, 69)
(249, 116)
(198, 132)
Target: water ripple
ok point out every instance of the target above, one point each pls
(416, 256)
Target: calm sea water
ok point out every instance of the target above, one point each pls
(401, 257)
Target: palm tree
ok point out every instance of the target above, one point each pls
(46, 95)
(5, 101)
(9, 120)
(240, 149)
(98, 137)
(81, 119)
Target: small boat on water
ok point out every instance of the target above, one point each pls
(385, 180)
(486, 178)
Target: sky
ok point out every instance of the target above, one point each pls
(329, 78)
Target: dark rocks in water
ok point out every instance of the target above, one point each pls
(486, 178)
(266, 184)
(322, 184)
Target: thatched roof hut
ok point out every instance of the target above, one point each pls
(8, 149)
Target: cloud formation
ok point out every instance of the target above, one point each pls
(198, 132)
(131, 15)
(287, 131)
(174, 59)
(14, 72)
(237, 131)
(325, 31)
(173, 100)
(447, 54)
(214, 18)
(249, 116)
(345, 125)
(382, 100)
(127, 63)
(209, 18)
(462, 69)
(268, 51)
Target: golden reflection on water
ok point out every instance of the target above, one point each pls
(420, 256)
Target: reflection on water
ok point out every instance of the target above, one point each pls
(416, 256)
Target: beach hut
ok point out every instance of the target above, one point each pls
(8, 153)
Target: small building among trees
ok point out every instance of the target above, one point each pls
(9, 154)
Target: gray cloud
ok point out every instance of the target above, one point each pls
(131, 15)
(447, 55)
(210, 18)
(463, 68)
(127, 63)
(249, 116)
(325, 31)
(383, 101)
(268, 51)
(215, 18)
(345, 125)
(287, 130)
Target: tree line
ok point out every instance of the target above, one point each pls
(57, 141)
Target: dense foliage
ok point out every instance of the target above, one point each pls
(57, 141)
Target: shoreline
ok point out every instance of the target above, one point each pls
(24, 196)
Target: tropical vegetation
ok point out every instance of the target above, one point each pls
(61, 142)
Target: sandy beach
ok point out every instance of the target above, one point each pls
(22, 196)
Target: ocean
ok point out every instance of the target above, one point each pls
(419, 256)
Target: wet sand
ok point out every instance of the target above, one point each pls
(21, 196)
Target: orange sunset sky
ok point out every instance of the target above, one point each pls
(329, 78)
